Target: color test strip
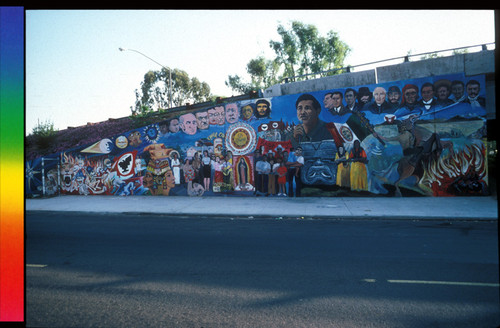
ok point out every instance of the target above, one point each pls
(12, 164)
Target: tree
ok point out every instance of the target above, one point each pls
(155, 92)
(43, 134)
(263, 73)
(301, 51)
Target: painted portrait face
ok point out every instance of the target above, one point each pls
(473, 90)
(173, 125)
(336, 100)
(379, 95)
(219, 114)
(163, 128)
(232, 113)
(246, 112)
(188, 123)
(216, 115)
(306, 112)
(147, 180)
(170, 179)
(262, 108)
(411, 95)
(202, 120)
(211, 116)
(328, 101)
(443, 93)
(394, 97)
(350, 99)
(457, 90)
(427, 93)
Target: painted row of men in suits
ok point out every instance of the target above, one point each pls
(396, 101)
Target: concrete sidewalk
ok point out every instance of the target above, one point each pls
(458, 208)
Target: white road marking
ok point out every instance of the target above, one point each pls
(36, 265)
(431, 282)
(455, 283)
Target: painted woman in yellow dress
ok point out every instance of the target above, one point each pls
(343, 168)
(359, 175)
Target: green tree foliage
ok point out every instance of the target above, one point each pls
(43, 134)
(236, 83)
(263, 73)
(301, 51)
(44, 129)
(155, 93)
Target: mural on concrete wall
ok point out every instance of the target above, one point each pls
(419, 137)
(42, 176)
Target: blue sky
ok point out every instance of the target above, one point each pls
(75, 73)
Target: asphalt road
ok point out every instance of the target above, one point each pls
(157, 271)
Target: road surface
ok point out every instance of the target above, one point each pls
(158, 271)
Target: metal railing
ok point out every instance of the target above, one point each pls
(349, 68)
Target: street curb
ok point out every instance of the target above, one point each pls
(274, 217)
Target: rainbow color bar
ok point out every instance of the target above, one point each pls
(12, 269)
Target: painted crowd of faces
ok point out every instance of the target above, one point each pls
(414, 137)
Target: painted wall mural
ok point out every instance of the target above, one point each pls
(419, 137)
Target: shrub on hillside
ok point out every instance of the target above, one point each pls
(76, 137)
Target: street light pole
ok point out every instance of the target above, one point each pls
(169, 73)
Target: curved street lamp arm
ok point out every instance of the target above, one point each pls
(168, 69)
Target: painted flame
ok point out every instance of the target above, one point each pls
(441, 173)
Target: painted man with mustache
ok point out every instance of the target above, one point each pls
(472, 88)
(311, 127)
